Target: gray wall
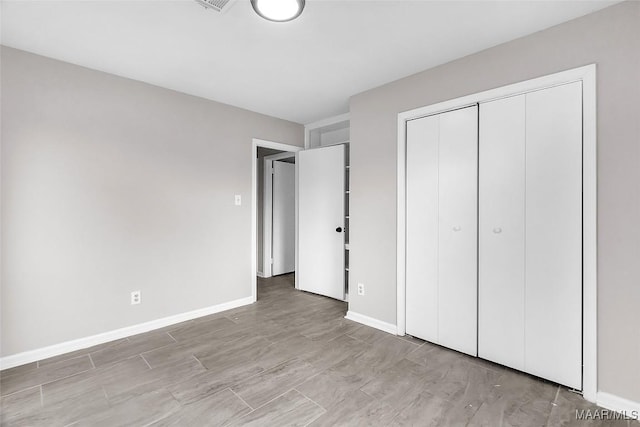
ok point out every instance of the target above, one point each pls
(610, 38)
(110, 185)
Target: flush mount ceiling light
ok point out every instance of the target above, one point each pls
(278, 10)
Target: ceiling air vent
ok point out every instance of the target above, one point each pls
(217, 5)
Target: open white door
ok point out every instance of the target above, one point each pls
(321, 198)
(284, 219)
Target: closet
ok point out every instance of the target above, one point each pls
(494, 231)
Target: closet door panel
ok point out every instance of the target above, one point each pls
(457, 242)
(553, 300)
(422, 228)
(501, 232)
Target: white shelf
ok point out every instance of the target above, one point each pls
(330, 131)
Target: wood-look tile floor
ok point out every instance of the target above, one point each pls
(291, 359)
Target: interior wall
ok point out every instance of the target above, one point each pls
(110, 185)
(611, 39)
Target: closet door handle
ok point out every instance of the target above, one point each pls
(457, 228)
(497, 230)
(339, 230)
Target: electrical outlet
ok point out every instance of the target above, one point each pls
(360, 288)
(238, 199)
(135, 297)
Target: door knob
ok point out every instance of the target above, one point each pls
(339, 230)
(457, 228)
(497, 230)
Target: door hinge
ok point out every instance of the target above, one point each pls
(271, 261)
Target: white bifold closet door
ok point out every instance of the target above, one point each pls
(441, 283)
(530, 233)
(501, 272)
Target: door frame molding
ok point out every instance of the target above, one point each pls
(255, 143)
(267, 210)
(587, 75)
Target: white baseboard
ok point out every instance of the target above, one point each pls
(370, 321)
(619, 404)
(261, 274)
(81, 343)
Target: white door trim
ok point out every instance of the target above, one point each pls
(587, 75)
(254, 204)
(267, 210)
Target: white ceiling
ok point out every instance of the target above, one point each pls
(302, 71)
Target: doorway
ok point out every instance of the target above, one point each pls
(264, 149)
(276, 213)
(320, 216)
